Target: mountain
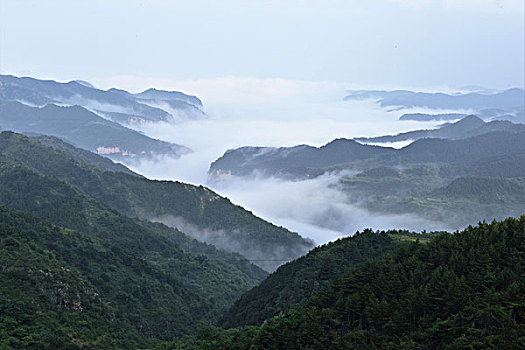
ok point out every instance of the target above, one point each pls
(515, 115)
(150, 105)
(404, 181)
(461, 290)
(46, 301)
(309, 274)
(84, 129)
(148, 281)
(307, 162)
(197, 211)
(101, 163)
(291, 161)
(467, 127)
(213, 279)
(507, 99)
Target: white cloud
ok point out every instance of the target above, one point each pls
(279, 113)
(315, 208)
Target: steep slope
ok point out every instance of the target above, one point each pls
(205, 214)
(45, 301)
(101, 163)
(85, 129)
(61, 280)
(464, 290)
(303, 277)
(211, 278)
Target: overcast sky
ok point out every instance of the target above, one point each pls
(364, 43)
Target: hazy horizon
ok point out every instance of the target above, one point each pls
(396, 43)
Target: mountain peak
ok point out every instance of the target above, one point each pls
(472, 120)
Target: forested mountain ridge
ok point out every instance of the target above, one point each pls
(461, 290)
(85, 280)
(45, 302)
(412, 180)
(470, 138)
(209, 216)
(211, 278)
(94, 119)
(289, 161)
(83, 155)
(301, 278)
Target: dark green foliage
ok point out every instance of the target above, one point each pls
(461, 201)
(300, 278)
(83, 155)
(47, 303)
(154, 285)
(218, 281)
(157, 295)
(459, 291)
(230, 226)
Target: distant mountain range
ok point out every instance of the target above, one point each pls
(510, 98)
(506, 105)
(515, 115)
(306, 161)
(94, 119)
(84, 129)
(423, 178)
(150, 105)
(467, 127)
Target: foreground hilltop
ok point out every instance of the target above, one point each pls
(461, 290)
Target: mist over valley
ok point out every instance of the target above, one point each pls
(260, 175)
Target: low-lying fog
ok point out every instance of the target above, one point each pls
(281, 114)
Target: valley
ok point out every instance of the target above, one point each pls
(97, 253)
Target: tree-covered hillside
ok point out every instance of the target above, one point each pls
(202, 213)
(458, 291)
(416, 179)
(302, 277)
(159, 281)
(63, 289)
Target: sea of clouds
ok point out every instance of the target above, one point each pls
(278, 112)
